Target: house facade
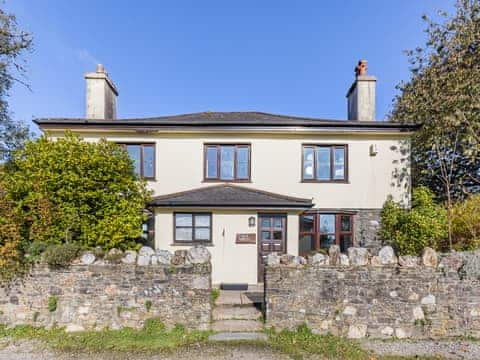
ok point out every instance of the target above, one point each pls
(247, 183)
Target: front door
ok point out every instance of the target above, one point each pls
(272, 235)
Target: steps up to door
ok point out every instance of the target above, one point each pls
(236, 311)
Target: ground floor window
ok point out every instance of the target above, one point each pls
(320, 230)
(193, 227)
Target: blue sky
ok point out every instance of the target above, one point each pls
(171, 57)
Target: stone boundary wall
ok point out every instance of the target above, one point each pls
(97, 294)
(359, 295)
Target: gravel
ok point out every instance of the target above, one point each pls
(447, 349)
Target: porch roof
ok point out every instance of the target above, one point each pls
(231, 196)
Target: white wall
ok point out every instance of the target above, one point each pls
(276, 165)
(231, 262)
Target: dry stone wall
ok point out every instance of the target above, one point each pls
(97, 293)
(382, 296)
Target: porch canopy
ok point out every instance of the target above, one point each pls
(230, 196)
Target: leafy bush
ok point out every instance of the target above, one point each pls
(411, 230)
(36, 249)
(466, 223)
(11, 259)
(60, 255)
(69, 190)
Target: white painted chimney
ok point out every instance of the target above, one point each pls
(101, 95)
(361, 96)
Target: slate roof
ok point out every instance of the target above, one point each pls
(226, 119)
(227, 195)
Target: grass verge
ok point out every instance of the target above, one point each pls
(153, 337)
(302, 343)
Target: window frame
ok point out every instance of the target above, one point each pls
(316, 233)
(142, 146)
(332, 148)
(193, 241)
(235, 174)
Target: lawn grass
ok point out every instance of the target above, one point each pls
(154, 338)
(303, 342)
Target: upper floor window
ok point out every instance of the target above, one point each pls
(228, 162)
(325, 163)
(143, 156)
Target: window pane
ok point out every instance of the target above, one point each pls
(327, 223)
(265, 235)
(307, 244)
(277, 223)
(183, 234)
(227, 154)
(323, 163)
(134, 153)
(345, 224)
(326, 241)
(306, 223)
(308, 163)
(345, 242)
(242, 162)
(265, 222)
(339, 163)
(212, 162)
(277, 235)
(202, 234)
(183, 219)
(202, 220)
(148, 161)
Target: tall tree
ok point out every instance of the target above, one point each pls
(443, 95)
(13, 44)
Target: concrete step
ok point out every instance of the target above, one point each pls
(238, 336)
(237, 326)
(236, 313)
(238, 298)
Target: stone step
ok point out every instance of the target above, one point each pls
(238, 336)
(237, 325)
(238, 298)
(236, 313)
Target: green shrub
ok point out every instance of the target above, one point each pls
(35, 249)
(466, 223)
(60, 255)
(52, 303)
(409, 231)
(70, 190)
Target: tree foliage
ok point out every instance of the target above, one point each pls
(69, 190)
(409, 231)
(443, 96)
(466, 223)
(13, 44)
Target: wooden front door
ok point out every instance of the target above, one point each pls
(272, 235)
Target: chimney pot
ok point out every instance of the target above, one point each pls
(100, 68)
(361, 95)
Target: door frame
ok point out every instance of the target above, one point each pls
(285, 239)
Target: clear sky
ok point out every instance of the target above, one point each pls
(170, 57)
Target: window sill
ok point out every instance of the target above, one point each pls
(192, 244)
(324, 181)
(225, 181)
